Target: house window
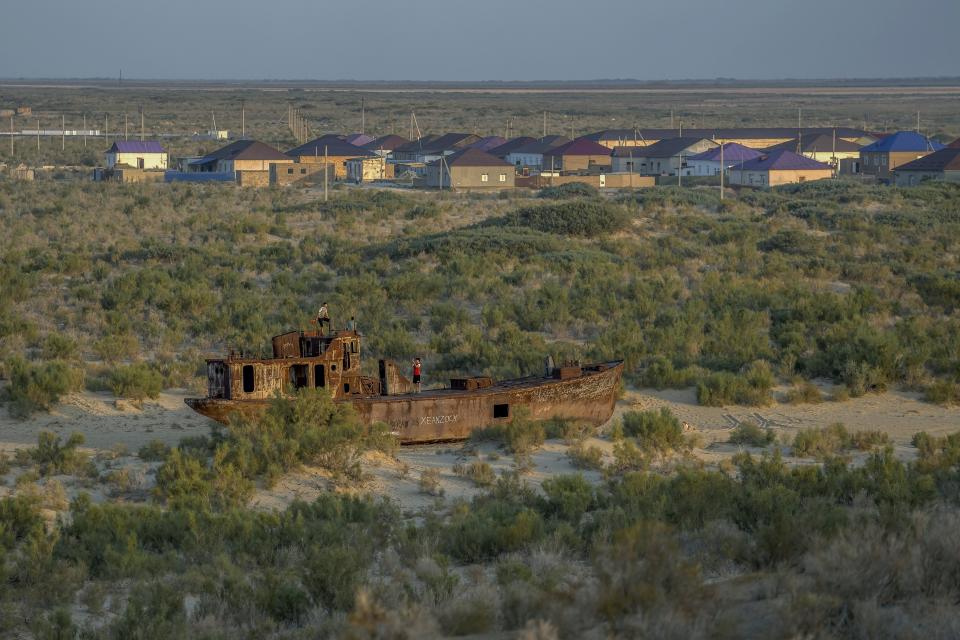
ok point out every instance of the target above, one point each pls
(503, 177)
(501, 411)
(290, 171)
(484, 177)
(303, 171)
(248, 385)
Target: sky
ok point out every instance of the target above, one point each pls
(457, 40)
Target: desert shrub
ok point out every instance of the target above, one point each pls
(430, 482)
(660, 373)
(54, 457)
(136, 381)
(750, 388)
(804, 393)
(586, 457)
(655, 431)
(588, 218)
(427, 210)
(481, 473)
(153, 451)
(19, 519)
(942, 392)
(57, 346)
(4, 463)
(37, 387)
(751, 434)
(568, 496)
(491, 525)
(867, 439)
(569, 190)
(520, 435)
(153, 612)
(628, 458)
(567, 429)
(827, 441)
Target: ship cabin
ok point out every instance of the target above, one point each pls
(300, 359)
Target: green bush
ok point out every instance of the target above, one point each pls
(481, 473)
(827, 441)
(136, 381)
(55, 458)
(750, 388)
(752, 435)
(655, 431)
(804, 393)
(588, 218)
(153, 451)
(942, 392)
(569, 190)
(37, 387)
(585, 457)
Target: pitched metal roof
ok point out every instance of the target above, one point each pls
(487, 143)
(471, 157)
(331, 145)
(245, 150)
(136, 146)
(726, 133)
(579, 147)
(903, 141)
(387, 143)
(733, 152)
(663, 149)
(820, 143)
(358, 139)
(510, 146)
(782, 160)
(436, 144)
(542, 145)
(954, 145)
(943, 160)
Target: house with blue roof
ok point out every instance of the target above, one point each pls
(889, 152)
(778, 167)
(137, 154)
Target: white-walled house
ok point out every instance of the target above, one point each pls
(137, 154)
(708, 162)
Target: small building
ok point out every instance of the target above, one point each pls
(384, 145)
(778, 167)
(822, 148)
(888, 153)
(369, 169)
(430, 148)
(298, 173)
(24, 110)
(665, 158)
(147, 154)
(240, 156)
(528, 158)
(470, 169)
(511, 145)
(487, 143)
(708, 162)
(577, 155)
(23, 173)
(942, 165)
(330, 149)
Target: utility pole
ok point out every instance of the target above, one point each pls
(38, 135)
(84, 131)
(141, 123)
(63, 132)
(125, 123)
(106, 128)
(243, 118)
(544, 124)
(918, 122)
(363, 116)
(11, 138)
(326, 168)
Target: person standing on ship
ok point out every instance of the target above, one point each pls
(416, 373)
(323, 315)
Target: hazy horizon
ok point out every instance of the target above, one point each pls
(498, 41)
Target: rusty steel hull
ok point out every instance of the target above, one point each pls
(448, 414)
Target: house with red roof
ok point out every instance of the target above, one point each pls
(778, 167)
(470, 169)
(577, 155)
(943, 165)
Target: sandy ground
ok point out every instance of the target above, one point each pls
(115, 430)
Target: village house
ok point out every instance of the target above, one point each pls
(384, 145)
(822, 148)
(247, 161)
(708, 162)
(470, 169)
(888, 153)
(577, 155)
(369, 169)
(488, 142)
(511, 145)
(942, 165)
(329, 149)
(529, 157)
(358, 139)
(147, 154)
(430, 148)
(665, 158)
(778, 167)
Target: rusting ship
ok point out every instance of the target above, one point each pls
(308, 359)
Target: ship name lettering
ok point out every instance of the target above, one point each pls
(438, 419)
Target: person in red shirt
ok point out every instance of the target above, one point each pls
(416, 373)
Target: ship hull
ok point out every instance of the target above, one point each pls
(447, 414)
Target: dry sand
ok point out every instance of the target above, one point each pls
(122, 431)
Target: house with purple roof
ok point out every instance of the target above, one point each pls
(708, 162)
(137, 154)
(778, 167)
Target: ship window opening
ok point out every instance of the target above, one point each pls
(319, 379)
(298, 376)
(346, 387)
(248, 378)
(333, 367)
(501, 411)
